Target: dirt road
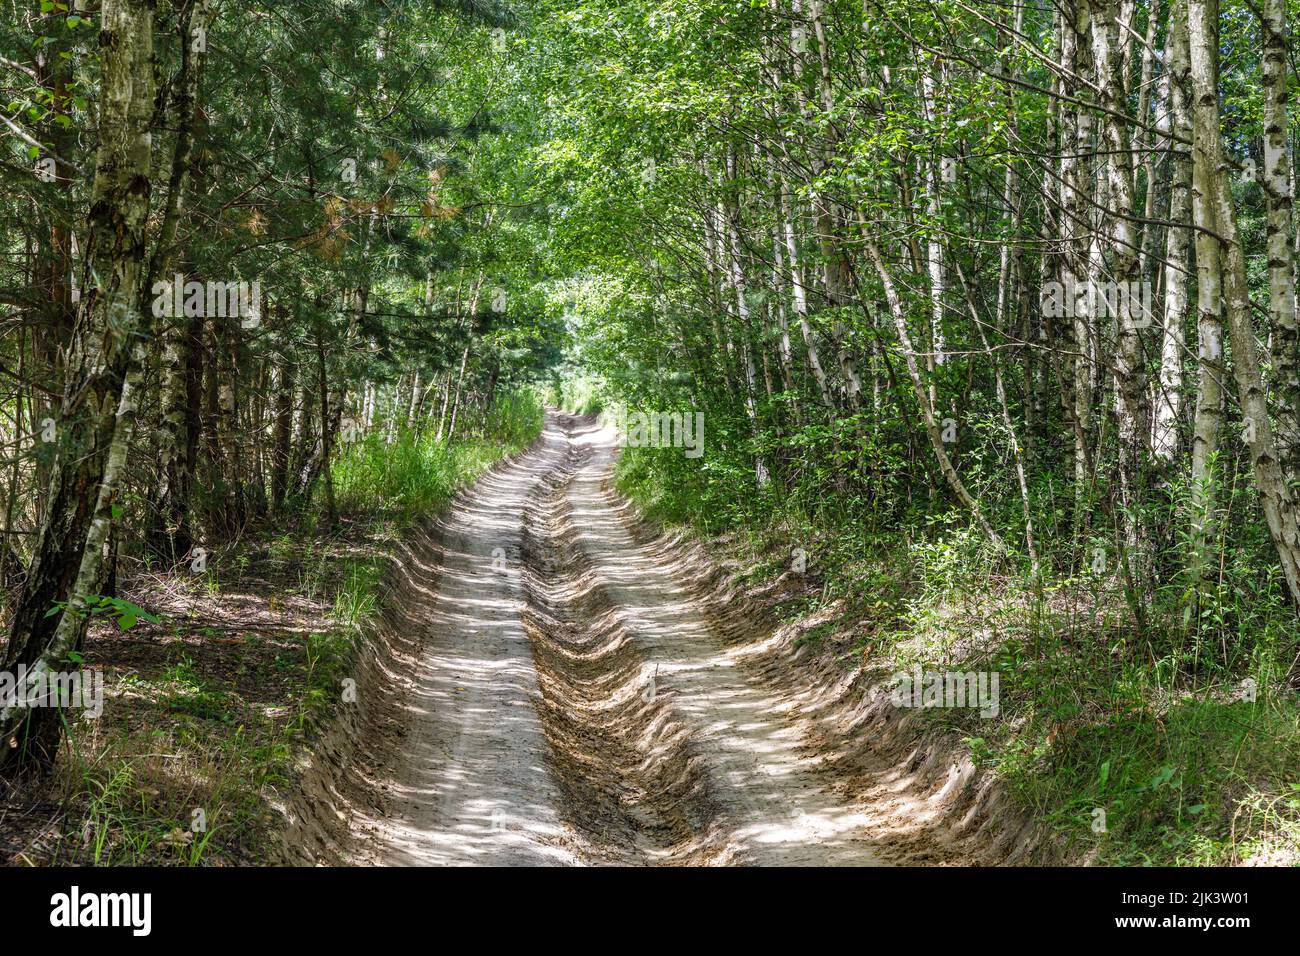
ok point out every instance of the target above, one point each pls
(576, 701)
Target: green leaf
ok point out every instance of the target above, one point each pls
(127, 610)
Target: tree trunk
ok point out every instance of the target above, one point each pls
(326, 431)
(1276, 499)
(1285, 332)
(98, 408)
(923, 399)
(1169, 401)
(1206, 154)
(283, 434)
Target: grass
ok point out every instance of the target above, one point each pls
(416, 474)
(173, 796)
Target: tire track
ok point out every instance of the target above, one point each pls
(766, 785)
(575, 703)
(632, 784)
(474, 785)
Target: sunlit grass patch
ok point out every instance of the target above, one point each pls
(415, 474)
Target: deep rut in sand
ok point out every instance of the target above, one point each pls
(631, 783)
(579, 699)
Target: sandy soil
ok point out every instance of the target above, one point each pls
(585, 693)
(474, 784)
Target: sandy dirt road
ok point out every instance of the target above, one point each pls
(474, 786)
(575, 704)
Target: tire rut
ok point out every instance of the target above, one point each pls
(631, 782)
(773, 803)
(581, 695)
(471, 785)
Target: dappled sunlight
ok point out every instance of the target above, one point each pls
(777, 813)
(578, 696)
(474, 786)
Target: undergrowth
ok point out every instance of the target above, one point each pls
(1172, 740)
(414, 474)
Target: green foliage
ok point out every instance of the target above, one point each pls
(416, 474)
(123, 612)
(577, 392)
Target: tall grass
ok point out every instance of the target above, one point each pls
(416, 474)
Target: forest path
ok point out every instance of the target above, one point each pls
(474, 786)
(575, 703)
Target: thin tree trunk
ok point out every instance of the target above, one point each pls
(283, 433)
(326, 436)
(1169, 401)
(1285, 332)
(923, 399)
(1017, 453)
(1276, 499)
(1108, 22)
(1206, 153)
(799, 298)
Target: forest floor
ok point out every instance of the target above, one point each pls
(206, 713)
(585, 689)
